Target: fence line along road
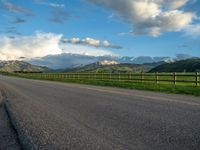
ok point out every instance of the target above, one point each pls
(174, 78)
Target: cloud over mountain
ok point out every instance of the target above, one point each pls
(38, 45)
(42, 44)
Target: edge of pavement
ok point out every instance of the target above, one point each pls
(8, 132)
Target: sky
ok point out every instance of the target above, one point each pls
(36, 28)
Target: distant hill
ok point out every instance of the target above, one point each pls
(67, 60)
(20, 66)
(189, 65)
(114, 67)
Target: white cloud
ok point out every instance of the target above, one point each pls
(193, 31)
(152, 17)
(42, 44)
(84, 50)
(37, 45)
(106, 43)
(15, 8)
(175, 4)
(72, 40)
(91, 42)
(56, 5)
(87, 41)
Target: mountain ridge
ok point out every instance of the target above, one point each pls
(98, 67)
(69, 60)
(188, 65)
(20, 66)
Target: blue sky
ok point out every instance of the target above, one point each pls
(123, 27)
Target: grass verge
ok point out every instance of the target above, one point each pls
(150, 86)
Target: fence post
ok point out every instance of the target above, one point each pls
(157, 77)
(119, 76)
(142, 76)
(197, 78)
(174, 78)
(110, 76)
(129, 76)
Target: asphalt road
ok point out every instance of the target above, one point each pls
(8, 137)
(51, 115)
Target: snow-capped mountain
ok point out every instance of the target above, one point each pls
(68, 60)
(107, 62)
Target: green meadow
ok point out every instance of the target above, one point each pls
(185, 83)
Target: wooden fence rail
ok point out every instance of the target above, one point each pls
(174, 78)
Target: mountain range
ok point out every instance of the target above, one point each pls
(68, 60)
(107, 66)
(20, 66)
(81, 63)
(188, 65)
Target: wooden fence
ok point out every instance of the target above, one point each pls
(174, 78)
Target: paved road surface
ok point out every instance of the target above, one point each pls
(8, 137)
(51, 115)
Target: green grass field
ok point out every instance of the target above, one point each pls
(124, 81)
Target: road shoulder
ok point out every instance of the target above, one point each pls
(8, 136)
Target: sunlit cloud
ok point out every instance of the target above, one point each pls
(41, 44)
(91, 42)
(38, 45)
(151, 17)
